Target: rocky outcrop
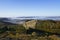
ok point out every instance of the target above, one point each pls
(30, 24)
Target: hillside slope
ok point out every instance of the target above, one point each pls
(45, 25)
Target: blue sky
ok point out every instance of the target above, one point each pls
(16, 8)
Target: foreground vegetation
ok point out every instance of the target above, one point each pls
(44, 30)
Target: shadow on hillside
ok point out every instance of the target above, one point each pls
(41, 32)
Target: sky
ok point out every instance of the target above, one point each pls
(17, 8)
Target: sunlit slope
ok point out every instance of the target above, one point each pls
(48, 25)
(45, 25)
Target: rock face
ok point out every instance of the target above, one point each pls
(30, 24)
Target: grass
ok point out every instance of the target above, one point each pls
(19, 32)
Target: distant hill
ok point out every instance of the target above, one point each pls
(11, 20)
(40, 17)
(21, 20)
